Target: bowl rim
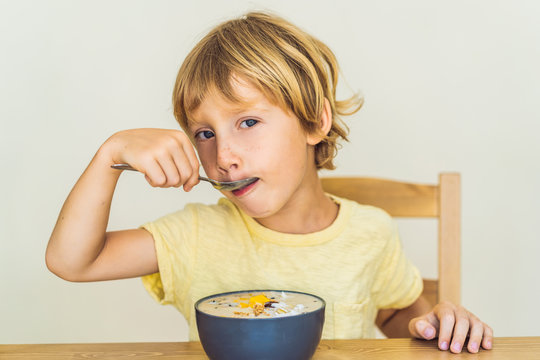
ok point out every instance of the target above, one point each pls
(323, 306)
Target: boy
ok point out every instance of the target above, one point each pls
(256, 97)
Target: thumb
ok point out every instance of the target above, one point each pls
(424, 327)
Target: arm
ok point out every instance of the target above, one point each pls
(80, 249)
(449, 322)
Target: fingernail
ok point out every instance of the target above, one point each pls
(444, 345)
(474, 346)
(428, 332)
(457, 347)
(488, 344)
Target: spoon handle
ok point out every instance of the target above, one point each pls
(123, 167)
(128, 167)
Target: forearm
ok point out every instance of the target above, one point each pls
(79, 233)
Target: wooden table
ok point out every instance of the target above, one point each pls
(504, 348)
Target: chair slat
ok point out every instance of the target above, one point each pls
(449, 238)
(399, 199)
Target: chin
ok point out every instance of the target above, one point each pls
(254, 209)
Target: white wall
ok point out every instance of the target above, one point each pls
(449, 86)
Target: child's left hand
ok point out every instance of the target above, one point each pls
(452, 324)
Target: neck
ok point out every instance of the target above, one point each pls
(311, 210)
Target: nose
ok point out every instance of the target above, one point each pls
(227, 157)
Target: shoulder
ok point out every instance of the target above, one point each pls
(365, 214)
(368, 222)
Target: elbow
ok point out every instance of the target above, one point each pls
(52, 263)
(60, 268)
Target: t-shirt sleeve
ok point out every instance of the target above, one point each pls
(398, 282)
(174, 240)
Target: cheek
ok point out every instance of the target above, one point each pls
(287, 154)
(206, 156)
(253, 148)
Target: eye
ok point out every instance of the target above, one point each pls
(248, 123)
(204, 135)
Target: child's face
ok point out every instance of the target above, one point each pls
(254, 139)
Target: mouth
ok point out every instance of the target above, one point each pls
(243, 190)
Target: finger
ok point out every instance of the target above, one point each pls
(461, 329)
(446, 316)
(432, 319)
(476, 333)
(182, 163)
(171, 171)
(185, 169)
(189, 153)
(181, 171)
(414, 329)
(423, 329)
(153, 173)
(169, 148)
(487, 342)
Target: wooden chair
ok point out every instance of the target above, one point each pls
(411, 200)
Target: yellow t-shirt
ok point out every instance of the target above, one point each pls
(356, 264)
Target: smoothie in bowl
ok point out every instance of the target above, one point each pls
(252, 304)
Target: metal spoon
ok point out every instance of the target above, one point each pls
(219, 185)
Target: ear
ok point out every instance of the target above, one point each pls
(325, 124)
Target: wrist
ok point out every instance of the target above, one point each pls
(105, 157)
(111, 150)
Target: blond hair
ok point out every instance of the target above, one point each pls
(291, 67)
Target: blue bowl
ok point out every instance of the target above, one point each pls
(292, 337)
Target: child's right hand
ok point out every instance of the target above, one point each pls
(166, 157)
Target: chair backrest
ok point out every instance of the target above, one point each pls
(411, 200)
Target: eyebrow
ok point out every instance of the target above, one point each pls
(237, 110)
(246, 106)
